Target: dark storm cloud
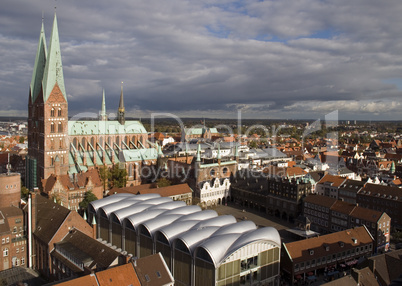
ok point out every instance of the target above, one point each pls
(266, 58)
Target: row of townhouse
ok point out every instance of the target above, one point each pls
(331, 215)
(311, 257)
(377, 197)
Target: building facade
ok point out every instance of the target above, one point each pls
(199, 247)
(274, 195)
(315, 254)
(74, 146)
(12, 238)
(384, 199)
(10, 189)
(331, 215)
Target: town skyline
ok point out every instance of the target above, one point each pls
(267, 60)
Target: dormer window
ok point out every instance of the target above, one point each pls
(354, 240)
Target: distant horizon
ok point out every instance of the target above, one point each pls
(215, 119)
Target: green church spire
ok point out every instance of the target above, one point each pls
(54, 68)
(121, 111)
(103, 115)
(39, 67)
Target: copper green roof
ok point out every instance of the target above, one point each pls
(105, 127)
(54, 68)
(39, 67)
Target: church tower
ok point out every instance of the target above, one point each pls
(47, 112)
(103, 115)
(121, 111)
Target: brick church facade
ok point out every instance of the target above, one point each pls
(61, 146)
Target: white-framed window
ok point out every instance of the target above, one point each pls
(5, 252)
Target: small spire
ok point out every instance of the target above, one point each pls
(121, 111)
(103, 115)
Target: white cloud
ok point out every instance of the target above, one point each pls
(267, 58)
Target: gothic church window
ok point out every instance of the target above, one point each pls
(60, 129)
(59, 112)
(52, 112)
(52, 127)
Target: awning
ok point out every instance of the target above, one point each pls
(352, 262)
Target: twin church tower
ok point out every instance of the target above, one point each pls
(59, 146)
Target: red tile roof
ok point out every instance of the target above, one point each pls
(335, 180)
(120, 275)
(299, 250)
(168, 191)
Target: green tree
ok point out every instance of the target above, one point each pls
(118, 176)
(163, 182)
(88, 197)
(253, 144)
(22, 139)
(104, 175)
(24, 193)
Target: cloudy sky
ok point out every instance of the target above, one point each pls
(297, 59)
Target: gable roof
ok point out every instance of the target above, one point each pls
(88, 280)
(78, 181)
(335, 181)
(320, 200)
(168, 191)
(49, 218)
(120, 275)
(156, 270)
(299, 250)
(91, 252)
(388, 266)
(366, 214)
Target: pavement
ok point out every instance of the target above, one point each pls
(259, 218)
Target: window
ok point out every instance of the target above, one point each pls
(17, 250)
(5, 252)
(22, 261)
(3, 240)
(22, 249)
(7, 239)
(158, 274)
(52, 127)
(311, 252)
(59, 112)
(60, 129)
(147, 278)
(52, 112)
